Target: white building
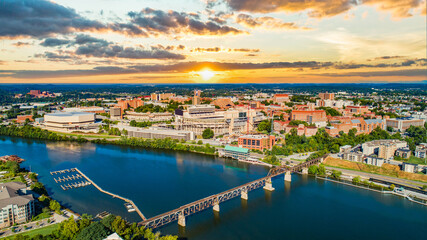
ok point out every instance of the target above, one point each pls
(71, 121)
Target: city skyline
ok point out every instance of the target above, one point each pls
(212, 41)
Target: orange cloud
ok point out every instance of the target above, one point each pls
(322, 8)
(266, 22)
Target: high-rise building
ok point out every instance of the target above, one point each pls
(327, 96)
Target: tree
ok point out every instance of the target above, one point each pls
(207, 133)
(336, 174)
(313, 169)
(356, 180)
(55, 206)
(264, 126)
(95, 230)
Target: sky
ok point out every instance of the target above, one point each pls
(212, 41)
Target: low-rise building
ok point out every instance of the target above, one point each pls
(152, 117)
(234, 152)
(223, 103)
(115, 113)
(281, 98)
(401, 124)
(403, 153)
(16, 206)
(158, 133)
(23, 118)
(92, 109)
(409, 167)
(257, 142)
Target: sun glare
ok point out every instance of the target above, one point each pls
(206, 74)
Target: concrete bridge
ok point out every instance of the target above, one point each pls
(213, 201)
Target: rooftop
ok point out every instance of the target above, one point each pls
(236, 149)
(69, 114)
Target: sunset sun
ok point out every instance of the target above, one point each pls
(206, 74)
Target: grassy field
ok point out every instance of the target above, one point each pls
(43, 231)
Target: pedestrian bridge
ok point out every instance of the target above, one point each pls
(213, 201)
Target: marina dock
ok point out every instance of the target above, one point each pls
(79, 179)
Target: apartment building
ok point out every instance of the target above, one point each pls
(385, 148)
(327, 96)
(257, 142)
(16, 206)
(421, 151)
(130, 103)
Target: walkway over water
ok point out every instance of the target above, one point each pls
(180, 213)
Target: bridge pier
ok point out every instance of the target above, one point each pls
(288, 177)
(181, 220)
(244, 194)
(268, 185)
(216, 207)
(304, 171)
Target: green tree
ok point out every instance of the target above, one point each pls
(336, 174)
(356, 180)
(54, 206)
(207, 133)
(95, 230)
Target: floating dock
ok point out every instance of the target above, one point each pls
(69, 182)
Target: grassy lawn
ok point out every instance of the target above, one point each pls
(14, 179)
(41, 216)
(43, 231)
(416, 160)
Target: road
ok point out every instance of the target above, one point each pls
(372, 175)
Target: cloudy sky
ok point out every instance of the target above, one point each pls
(224, 41)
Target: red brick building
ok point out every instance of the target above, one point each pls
(22, 118)
(257, 142)
(309, 116)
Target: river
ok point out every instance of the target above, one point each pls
(160, 180)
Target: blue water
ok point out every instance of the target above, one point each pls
(159, 180)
